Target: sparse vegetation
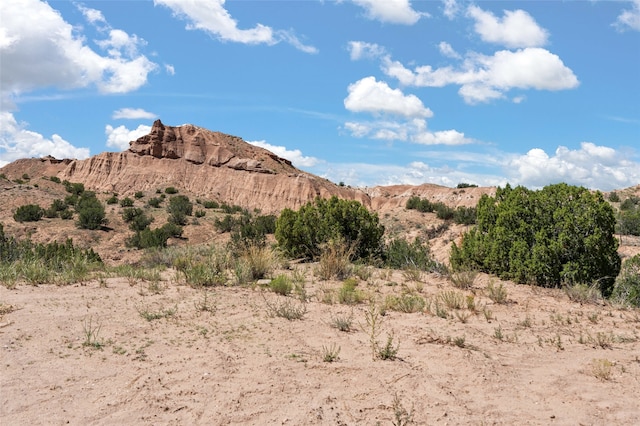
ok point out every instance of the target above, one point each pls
(28, 213)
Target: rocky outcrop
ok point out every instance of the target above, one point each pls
(207, 164)
(201, 146)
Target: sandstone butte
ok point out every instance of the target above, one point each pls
(221, 167)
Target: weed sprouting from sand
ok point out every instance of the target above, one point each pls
(335, 260)
(373, 328)
(601, 369)
(206, 302)
(452, 299)
(286, 308)
(343, 323)
(401, 416)
(150, 315)
(498, 294)
(330, 353)
(583, 293)
(463, 279)
(91, 332)
(407, 303)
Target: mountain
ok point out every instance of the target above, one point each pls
(217, 166)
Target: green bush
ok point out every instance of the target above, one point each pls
(112, 200)
(200, 213)
(170, 190)
(614, 197)
(136, 218)
(400, 254)
(465, 215)
(628, 222)
(466, 185)
(179, 208)
(281, 285)
(73, 188)
(148, 238)
(210, 204)
(561, 234)
(302, 233)
(627, 286)
(126, 202)
(138, 195)
(55, 179)
(28, 213)
(91, 213)
(155, 202)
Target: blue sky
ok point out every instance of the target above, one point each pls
(365, 92)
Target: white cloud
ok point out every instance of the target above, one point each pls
(391, 11)
(450, 8)
(592, 166)
(483, 78)
(170, 69)
(51, 53)
(212, 18)
(629, 18)
(93, 16)
(119, 137)
(295, 156)
(376, 97)
(516, 29)
(414, 131)
(446, 49)
(361, 49)
(133, 114)
(17, 142)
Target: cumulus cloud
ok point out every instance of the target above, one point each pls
(133, 114)
(391, 11)
(119, 137)
(372, 96)
(63, 58)
(212, 18)
(398, 116)
(361, 49)
(483, 78)
(17, 142)
(592, 166)
(446, 49)
(629, 19)
(516, 29)
(295, 156)
(450, 8)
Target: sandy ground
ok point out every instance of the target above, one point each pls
(86, 354)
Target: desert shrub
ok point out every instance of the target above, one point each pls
(630, 203)
(179, 208)
(73, 188)
(334, 260)
(28, 213)
(614, 197)
(302, 233)
(138, 195)
(443, 211)
(465, 215)
(155, 202)
(348, 294)
(200, 213)
(252, 231)
(421, 204)
(281, 285)
(136, 218)
(56, 207)
(627, 286)
(55, 179)
(561, 234)
(400, 254)
(65, 214)
(112, 200)
(148, 238)
(210, 204)
(628, 221)
(126, 202)
(466, 185)
(170, 190)
(91, 213)
(230, 209)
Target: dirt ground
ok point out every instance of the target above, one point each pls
(118, 351)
